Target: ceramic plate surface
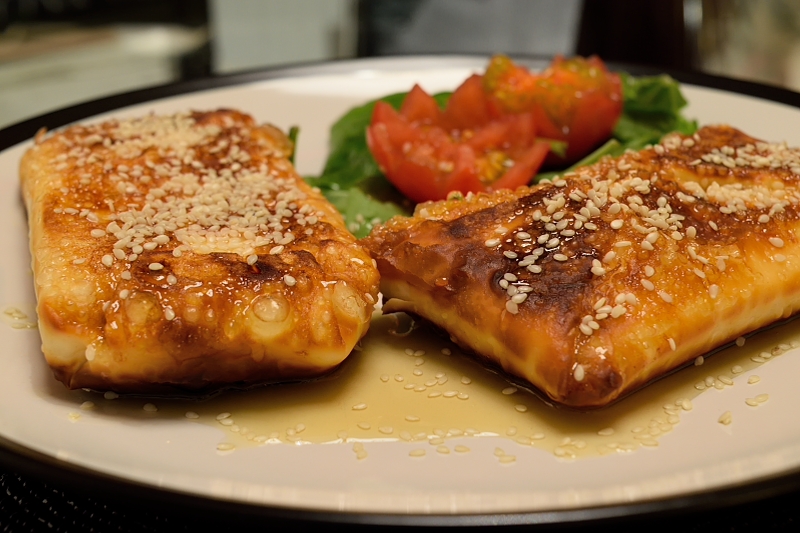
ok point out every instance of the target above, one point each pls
(698, 456)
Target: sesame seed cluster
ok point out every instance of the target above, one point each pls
(606, 277)
(162, 239)
(181, 186)
(637, 200)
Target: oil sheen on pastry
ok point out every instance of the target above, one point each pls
(609, 277)
(184, 253)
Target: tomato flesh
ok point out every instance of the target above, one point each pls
(488, 137)
(574, 100)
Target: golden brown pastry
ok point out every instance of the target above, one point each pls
(185, 253)
(593, 285)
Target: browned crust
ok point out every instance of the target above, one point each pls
(736, 270)
(216, 314)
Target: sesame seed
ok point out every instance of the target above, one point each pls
(618, 311)
(491, 243)
(579, 373)
(665, 296)
(617, 224)
(290, 281)
(155, 266)
(647, 284)
(713, 291)
(776, 242)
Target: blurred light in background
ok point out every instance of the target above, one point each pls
(55, 53)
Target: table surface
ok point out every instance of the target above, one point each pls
(28, 504)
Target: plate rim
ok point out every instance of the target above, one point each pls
(19, 458)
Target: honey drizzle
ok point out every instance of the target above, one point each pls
(419, 388)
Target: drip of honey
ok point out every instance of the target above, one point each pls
(415, 386)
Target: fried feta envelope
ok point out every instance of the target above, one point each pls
(184, 253)
(607, 278)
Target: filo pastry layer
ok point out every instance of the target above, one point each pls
(593, 285)
(184, 253)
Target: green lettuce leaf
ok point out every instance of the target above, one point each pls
(352, 181)
(652, 108)
(361, 210)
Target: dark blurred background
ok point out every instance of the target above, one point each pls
(58, 52)
(55, 53)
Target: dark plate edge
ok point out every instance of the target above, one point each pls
(18, 458)
(94, 484)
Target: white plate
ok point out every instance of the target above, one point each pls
(698, 456)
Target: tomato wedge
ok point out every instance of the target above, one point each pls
(490, 134)
(574, 100)
(470, 146)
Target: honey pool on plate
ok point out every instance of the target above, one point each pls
(411, 385)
